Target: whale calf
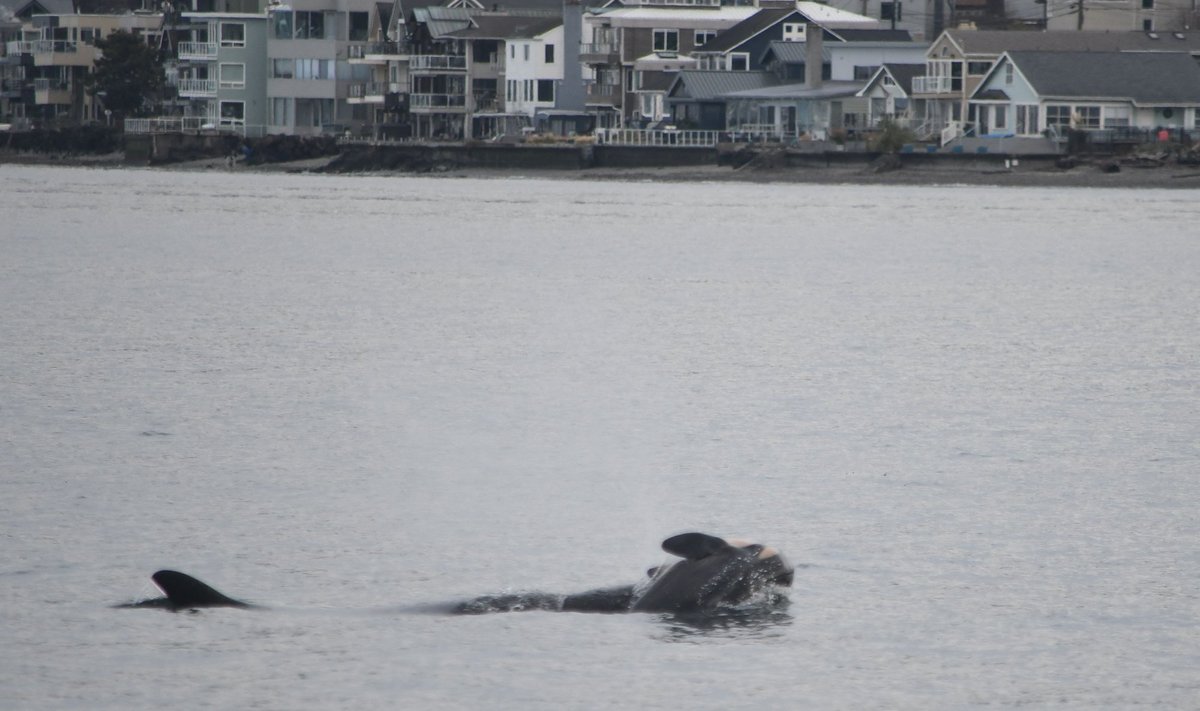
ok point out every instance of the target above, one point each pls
(712, 573)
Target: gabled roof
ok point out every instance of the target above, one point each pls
(1144, 78)
(702, 85)
(749, 28)
(791, 52)
(871, 35)
(441, 21)
(901, 74)
(992, 43)
(827, 90)
(505, 27)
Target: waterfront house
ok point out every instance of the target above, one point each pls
(220, 66)
(1135, 93)
(696, 98)
(957, 61)
(889, 94)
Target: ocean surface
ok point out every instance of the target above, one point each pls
(970, 416)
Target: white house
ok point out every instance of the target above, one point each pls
(534, 71)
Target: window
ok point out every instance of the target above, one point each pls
(1087, 116)
(739, 61)
(87, 35)
(545, 90)
(666, 40)
(1058, 115)
(794, 31)
(359, 24)
(891, 11)
(280, 113)
(702, 37)
(978, 68)
(1027, 119)
(233, 76)
(1147, 4)
(549, 54)
(283, 69)
(310, 25)
(314, 69)
(1117, 116)
(233, 34)
(233, 112)
(526, 46)
(512, 51)
(1008, 73)
(283, 25)
(1148, 24)
(999, 117)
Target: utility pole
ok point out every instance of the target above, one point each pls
(1079, 17)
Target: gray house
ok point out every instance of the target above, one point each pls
(1026, 93)
(696, 98)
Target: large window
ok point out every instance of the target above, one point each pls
(233, 76)
(1117, 116)
(283, 68)
(233, 112)
(284, 22)
(233, 34)
(1027, 120)
(703, 37)
(314, 69)
(1058, 115)
(545, 90)
(666, 40)
(1088, 116)
(891, 11)
(549, 56)
(281, 114)
(739, 61)
(310, 25)
(359, 24)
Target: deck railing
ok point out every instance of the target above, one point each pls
(649, 137)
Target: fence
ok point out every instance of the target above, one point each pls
(649, 137)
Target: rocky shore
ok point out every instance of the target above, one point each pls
(1100, 172)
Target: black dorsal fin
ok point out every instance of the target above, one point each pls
(182, 590)
(694, 546)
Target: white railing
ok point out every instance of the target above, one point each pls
(171, 124)
(932, 85)
(600, 48)
(437, 101)
(647, 137)
(18, 47)
(197, 50)
(53, 46)
(952, 131)
(437, 61)
(363, 91)
(197, 87)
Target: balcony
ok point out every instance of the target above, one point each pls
(600, 53)
(437, 63)
(933, 85)
(376, 52)
(370, 93)
(61, 53)
(604, 94)
(17, 48)
(437, 103)
(51, 91)
(198, 51)
(11, 88)
(197, 88)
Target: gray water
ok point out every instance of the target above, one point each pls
(968, 414)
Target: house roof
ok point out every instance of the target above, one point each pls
(993, 43)
(703, 85)
(504, 27)
(441, 21)
(902, 74)
(856, 34)
(828, 16)
(792, 52)
(748, 28)
(658, 17)
(1152, 78)
(827, 90)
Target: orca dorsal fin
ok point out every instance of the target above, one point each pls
(694, 546)
(182, 590)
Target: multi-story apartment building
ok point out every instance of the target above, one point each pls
(55, 53)
(309, 72)
(220, 67)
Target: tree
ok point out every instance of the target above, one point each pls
(128, 76)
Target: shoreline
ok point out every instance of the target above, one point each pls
(1084, 175)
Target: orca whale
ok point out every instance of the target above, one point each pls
(714, 572)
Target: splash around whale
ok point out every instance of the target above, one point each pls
(712, 573)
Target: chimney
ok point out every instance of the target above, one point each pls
(813, 63)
